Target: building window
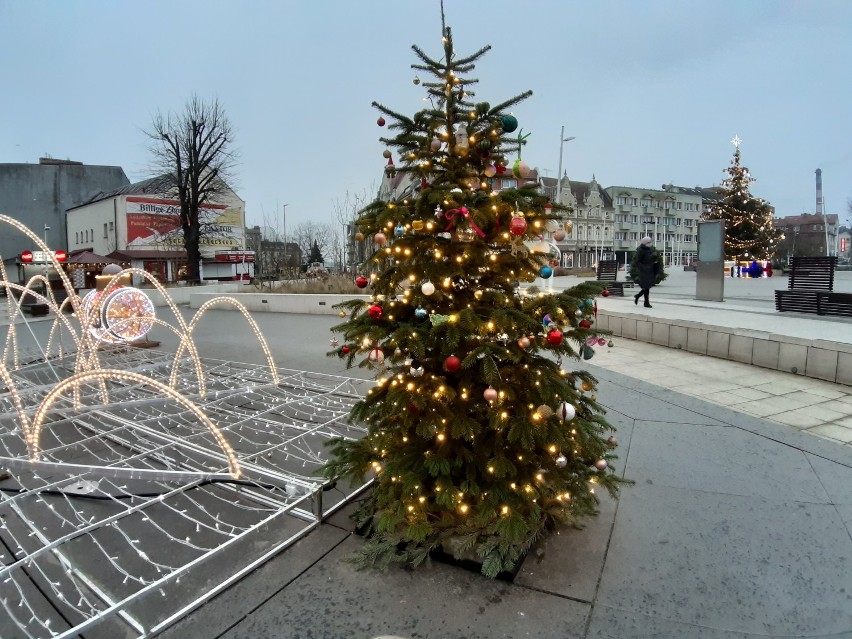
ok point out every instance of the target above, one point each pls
(634, 201)
(508, 184)
(105, 231)
(110, 227)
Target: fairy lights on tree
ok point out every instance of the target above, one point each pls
(749, 232)
(479, 439)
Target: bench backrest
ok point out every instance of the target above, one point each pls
(607, 271)
(812, 273)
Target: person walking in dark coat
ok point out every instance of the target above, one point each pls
(645, 260)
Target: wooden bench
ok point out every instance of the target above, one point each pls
(829, 303)
(811, 280)
(608, 272)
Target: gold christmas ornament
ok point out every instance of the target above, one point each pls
(586, 386)
(545, 411)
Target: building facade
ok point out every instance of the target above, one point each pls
(668, 216)
(810, 235)
(37, 195)
(140, 225)
(589, 232)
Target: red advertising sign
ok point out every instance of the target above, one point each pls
(27, 257)
(843, 245)
(154, 223)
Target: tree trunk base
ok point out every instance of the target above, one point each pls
(468, 560)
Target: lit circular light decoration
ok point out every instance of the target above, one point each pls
(123, 314)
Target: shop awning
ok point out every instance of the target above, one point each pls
(87, 257)
(147, 254)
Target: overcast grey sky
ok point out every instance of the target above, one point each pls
(653, 90)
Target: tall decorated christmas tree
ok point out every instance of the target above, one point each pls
(749, 231)
(479, 440)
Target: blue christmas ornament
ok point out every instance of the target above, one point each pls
(420, 312)
(546, 320)
(399, 231)
(545, 272)
(510, 123)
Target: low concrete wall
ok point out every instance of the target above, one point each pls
(182, 294)
(820, 359)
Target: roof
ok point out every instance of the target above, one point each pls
(581, 190)
(146, 254)
(707, 193)
(805, 218)
(88, 257)
(159, 185)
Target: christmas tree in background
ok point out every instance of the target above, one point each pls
(749, 232)
(479, 440)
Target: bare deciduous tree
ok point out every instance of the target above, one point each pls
(306, 233)
(345, 212)
(193, 152)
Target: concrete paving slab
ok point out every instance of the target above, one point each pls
(806, 418)
(436, 601)
(833, 432)
(613, 623)
(728, 562)
(571, 561)
(835, 478)
(723, 460)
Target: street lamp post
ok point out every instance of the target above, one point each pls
(562, 141)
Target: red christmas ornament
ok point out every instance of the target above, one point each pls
(605, 292)
(518, 226)
(344, 349)
(452, 364)
(380, 121)
(554, 337)
(375, 311)
(501, 168)
(585, 324)
(361, 281)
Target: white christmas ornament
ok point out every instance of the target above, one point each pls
(561, 461)
(428, 288)
(566, 412)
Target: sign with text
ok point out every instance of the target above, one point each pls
(154, 224)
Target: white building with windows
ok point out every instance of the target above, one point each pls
(670, 217)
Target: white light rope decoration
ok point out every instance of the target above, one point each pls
(254, 327)
(177, 315)
(106, 375)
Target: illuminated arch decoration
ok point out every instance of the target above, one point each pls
(217, 301)
(106, 375)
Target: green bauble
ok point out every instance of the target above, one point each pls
(510, 123)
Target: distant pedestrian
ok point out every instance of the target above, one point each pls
(732, 270)
(739, 270)
(645, 261)
(768, 269)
